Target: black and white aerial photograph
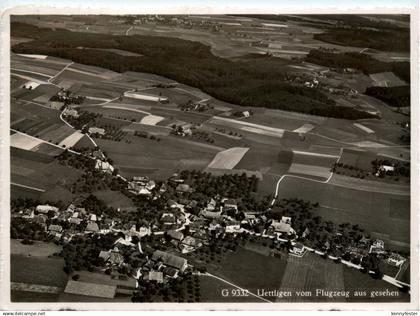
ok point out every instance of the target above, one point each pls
(210, 158)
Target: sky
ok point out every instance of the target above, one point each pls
(256, 5)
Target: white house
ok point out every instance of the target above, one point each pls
(44, 209)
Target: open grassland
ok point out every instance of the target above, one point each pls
(38, 249)
(21, 192)
(40, 170)
(266, 160)
(38, 270)
(32, 274)
(33, 297)
(372, 211)
(155, 130)
(118, 113)
(159, 159)
(113, 199)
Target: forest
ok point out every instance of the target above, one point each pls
(393, 96)
(384, 40)
(244, 82)
(363, 62)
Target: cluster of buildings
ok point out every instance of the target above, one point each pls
(163, 265)
(182, 129)
(141, 186)
(365, 246)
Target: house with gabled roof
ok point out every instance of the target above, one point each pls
(175, 234)
(92, 227)
(183, 188)
(44, 209)
(154, 276)
(169, 259)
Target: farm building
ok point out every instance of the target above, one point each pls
(44, 209)
(231, 204)
(55, 229)
(140, 179)
(175, 234)
(189, 244)
(170, 260)
(396, 260)
(90, 289)
(104, 166)
(184, 188)
(146, 97)
(92, 227)
(112, 257)
(138, 189)
(71, 112)
(56, 105)
(283, 226)
(298, 249)
(211, 205)
(211, 215)
(168, 219)
(378, 246)
(96, 130)
(155, 276)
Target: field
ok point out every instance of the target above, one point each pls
(38, 249)
(71, 140)
(39, 121)
(38, 270)
(259, 272)
(228, 158)
(337, 204)
(40, 171)
(23, 141)
(158, 160)
(386, 79)
(313, 165)
(113, 198)
(310, 273)
(35, 276)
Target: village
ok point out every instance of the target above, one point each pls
(138, 252)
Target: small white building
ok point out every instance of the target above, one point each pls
(44, 209)
(96, 130)
(298, 249)
(104, 166)
(396, 260)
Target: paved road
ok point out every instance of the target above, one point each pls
(27, 187)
